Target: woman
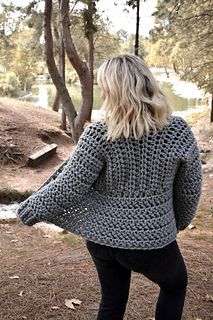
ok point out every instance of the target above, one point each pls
(132, 183)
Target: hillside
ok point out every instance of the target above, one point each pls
(24, 129)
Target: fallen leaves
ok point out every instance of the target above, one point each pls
(70, 303)
(55, 308)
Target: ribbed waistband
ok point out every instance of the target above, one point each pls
(149, 201)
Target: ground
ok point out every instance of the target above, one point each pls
(40, 268)
(27, 129)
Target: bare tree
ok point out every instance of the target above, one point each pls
(137, 27)
(76, 121)
(136, 4)
(89, 30)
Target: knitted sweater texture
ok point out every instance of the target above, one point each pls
(127, 193)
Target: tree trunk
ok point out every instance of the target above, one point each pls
(81, 69)
(63, 120)
(54, 73)
(211, 117)
(91, 66)
(62, 71)
(175, 67)
(136, 51)
(56, 103)
(167, 73)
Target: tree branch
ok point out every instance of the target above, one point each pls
(80, 67)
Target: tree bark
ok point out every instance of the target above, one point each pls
(63, 120)
(91, 46)
(81, 69)
(166, 71)
(62, 70)
(175, 67)
(54, 73)
(56, 103)
(91, 66)
(136, 51)
(211, 116)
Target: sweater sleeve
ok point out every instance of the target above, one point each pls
(74, 180)
(187, 184)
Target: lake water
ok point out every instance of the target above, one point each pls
(181, 95)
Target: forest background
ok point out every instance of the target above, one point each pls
(66, 41)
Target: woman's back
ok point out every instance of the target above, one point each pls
(143, 167)
(126, 193)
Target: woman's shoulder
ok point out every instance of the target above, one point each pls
(96, 128)
(94, 132)
(182, 132)
(179, 124)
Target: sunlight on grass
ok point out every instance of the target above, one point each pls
(71, 239)
(198, 115)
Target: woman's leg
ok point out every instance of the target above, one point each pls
(166, 268)
(115, 281)
(172, 293)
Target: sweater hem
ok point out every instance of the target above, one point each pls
(139, 247)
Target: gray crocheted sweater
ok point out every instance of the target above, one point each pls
(128, 193)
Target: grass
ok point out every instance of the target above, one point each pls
(201, 236)
(211, 213)
(22, 254)
(71, 239)
(14, 252)
(198, 115)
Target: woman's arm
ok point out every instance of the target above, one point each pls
(187, 185)
(75, 179)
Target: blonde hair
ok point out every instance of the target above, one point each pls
(133, 102)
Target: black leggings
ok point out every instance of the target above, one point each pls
(164, 267)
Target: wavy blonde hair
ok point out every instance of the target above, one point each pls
(133, 101)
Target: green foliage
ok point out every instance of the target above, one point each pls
(128, 45)
(24, 63)
(22, 44)
(105, 43)
(89, 14)
(132, 3)
(184, 34)
(20, 47)
(9, 85)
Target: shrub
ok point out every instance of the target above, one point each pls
(9, 85)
